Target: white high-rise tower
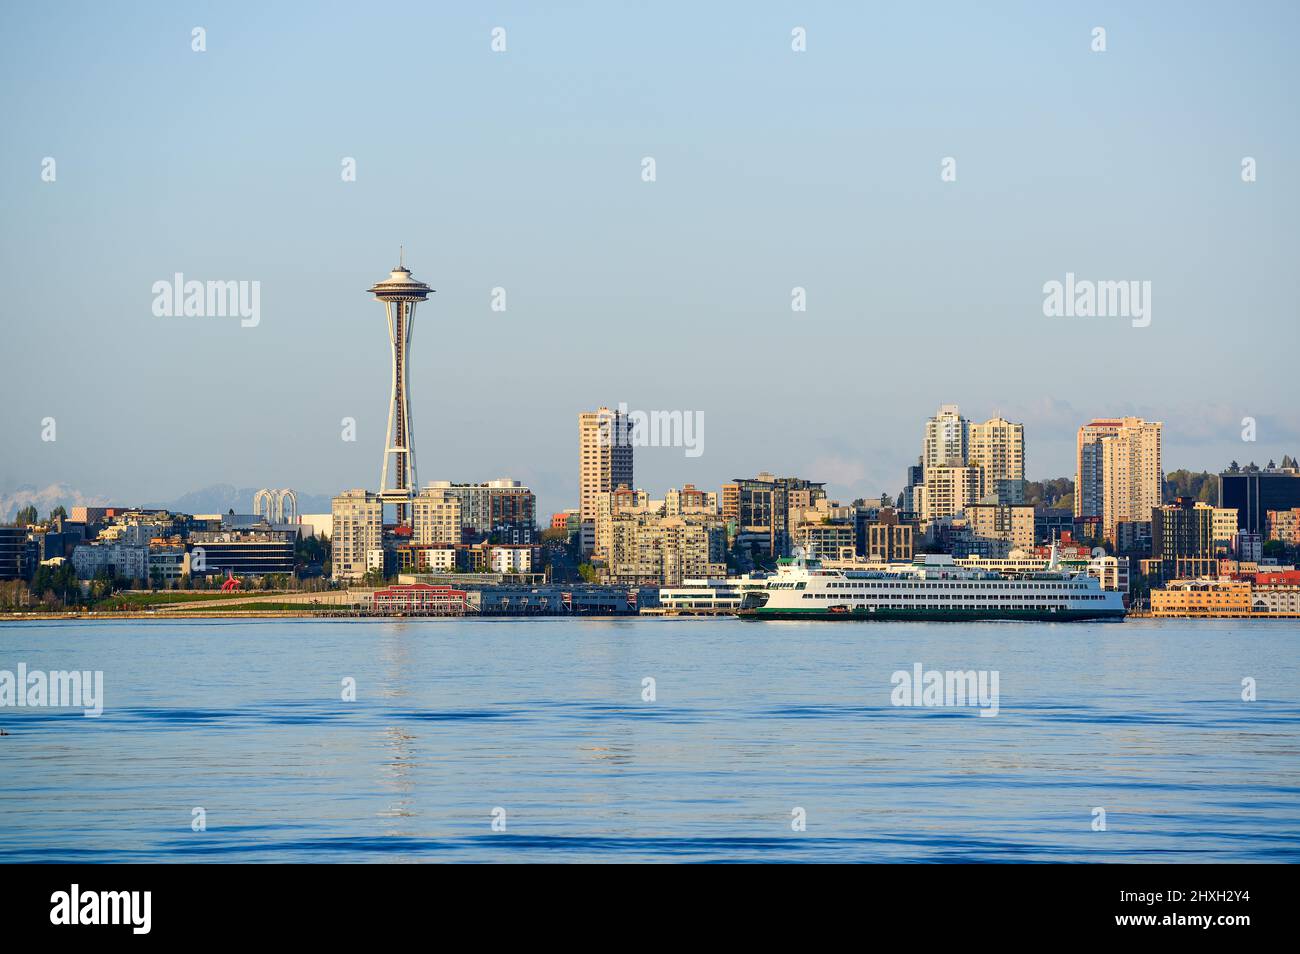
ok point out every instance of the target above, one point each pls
(400, 293)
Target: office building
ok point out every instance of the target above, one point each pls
(1253, 493)
(1182, 539)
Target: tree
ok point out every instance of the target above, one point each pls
(58, 513)
(587, 572)
(26, 515)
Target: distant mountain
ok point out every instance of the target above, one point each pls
(46, 499)
(220, 498)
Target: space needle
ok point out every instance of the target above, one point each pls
(400, 293)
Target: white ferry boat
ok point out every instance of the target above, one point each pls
(932, 588)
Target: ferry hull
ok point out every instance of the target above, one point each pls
(885, 615)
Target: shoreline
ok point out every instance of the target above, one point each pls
(298, 614)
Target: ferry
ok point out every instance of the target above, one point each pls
(933, 588)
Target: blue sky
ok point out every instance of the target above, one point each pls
(522, 170)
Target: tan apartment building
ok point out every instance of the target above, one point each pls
(650, 548)
(948, 491)
(358, 518)
(435, 517)
(1118, 475)
(604, 458)
(1010, 527)
(997, 448)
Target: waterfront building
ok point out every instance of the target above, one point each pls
(1118, 473)
(358, 521)
(1202, 598)
(604, 458)
(709, 597)
(1277, 593)
(419, 599)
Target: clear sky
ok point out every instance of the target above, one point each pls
(523, 169)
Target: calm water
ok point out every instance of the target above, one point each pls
(545, 719)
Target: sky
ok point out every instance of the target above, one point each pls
(522, 169)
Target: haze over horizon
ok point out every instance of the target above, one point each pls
(522, 170)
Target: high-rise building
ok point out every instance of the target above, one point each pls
(358, 518)
(1118, 475)
(764, 509)
(623, 500)
(997, 448)
(947, 439)
(948, 490)
(436, 517)
(1182, 539)
(400, 293)
(604, 458)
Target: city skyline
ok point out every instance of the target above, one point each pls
(822, 173)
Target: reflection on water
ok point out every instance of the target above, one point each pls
(545, 718)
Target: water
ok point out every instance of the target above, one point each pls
(544, 718)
